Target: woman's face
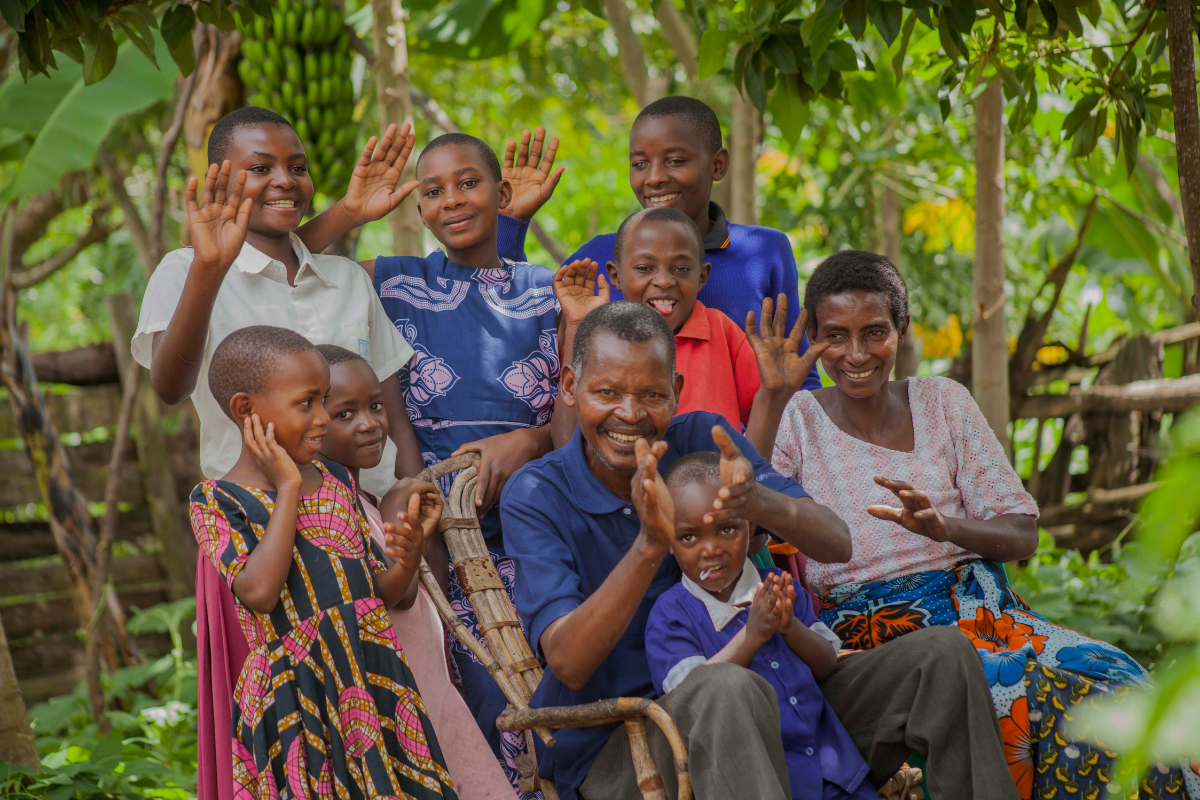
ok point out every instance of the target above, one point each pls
(862, 341)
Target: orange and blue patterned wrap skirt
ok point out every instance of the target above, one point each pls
(1038, 672)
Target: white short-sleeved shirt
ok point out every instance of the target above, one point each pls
(333, 302)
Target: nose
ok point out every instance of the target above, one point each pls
(282, 177)
(708, 548)
(367, 423)
(857, 352)
(657, 174)
(451, 199)
(663, 279)
(628, 411)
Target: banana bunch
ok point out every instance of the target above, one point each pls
(297, 63)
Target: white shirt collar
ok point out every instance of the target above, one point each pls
(744, 590)
(253, 261)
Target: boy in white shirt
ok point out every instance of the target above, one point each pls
(247, 267)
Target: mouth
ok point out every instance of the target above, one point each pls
(662, 199)
(313, 442)
(372, 445)
(624, 438)
(712, 572)
(281, 205)
(663, 305)
(458, 223)
(859, 376)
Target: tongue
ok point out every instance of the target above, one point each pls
(663, 308)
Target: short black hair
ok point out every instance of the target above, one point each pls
(245, 360)
(334, 354)
(702, 466)
(485, 151)
(249, 116)
(657, 214)
(857, 271)
(703, 118)
(629, 322)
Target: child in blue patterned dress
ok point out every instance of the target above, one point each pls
(485, 373)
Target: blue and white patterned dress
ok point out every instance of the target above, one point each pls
(486, 362)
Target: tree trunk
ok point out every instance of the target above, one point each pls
(395, 105)
(167, 515)
(908, 357)
(645, 89)
(677, 30)
(989, 344)
(218, 90)
(1187, 130)
(743, 161)
(16, 737)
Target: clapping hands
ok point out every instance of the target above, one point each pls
(771, 611)
(739, 491)
(653, 502)
(407, 535)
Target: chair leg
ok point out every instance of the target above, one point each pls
(649, 781)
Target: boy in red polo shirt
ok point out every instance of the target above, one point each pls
(746, 377)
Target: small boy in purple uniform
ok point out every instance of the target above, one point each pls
(727, 610)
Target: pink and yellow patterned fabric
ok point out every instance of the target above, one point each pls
(957, 461)
(325, 705)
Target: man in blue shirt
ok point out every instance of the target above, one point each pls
(591, 573)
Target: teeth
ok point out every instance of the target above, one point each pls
(662, 200)
(704, 573)
(281, 203)
(663, 306)
(624, 437)
(860, 374)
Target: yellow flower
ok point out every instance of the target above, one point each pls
(945, 223)
(944, 341)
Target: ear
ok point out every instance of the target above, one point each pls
(705, 271)
(678, 388)
(241, 407)
(566, 386)
(420, 213)
(720, 164)
(614, 276)
(904, 326)
(505, 191)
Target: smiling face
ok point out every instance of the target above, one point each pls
(460, 200)
(276, 177)
(710, 554)
(661, 267)
(862, 341)
(358, 424)
(670, 165)
(294, 401)
(625, 391)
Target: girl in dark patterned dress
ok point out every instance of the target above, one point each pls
(324, 706)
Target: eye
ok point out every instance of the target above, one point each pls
(260, 169)
(683, 270)
(729, 530)
(345, 415)
(638, 164)
(306, 402)
(301, 168)
(377, 406)
(675, 162)
(470, 183)
(433, 192)
(688, 538)
(606, 393)
(643, 268)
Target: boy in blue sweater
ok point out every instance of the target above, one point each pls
(675, 155)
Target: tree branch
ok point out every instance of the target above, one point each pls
(679, 35)
(99, 231)
(133, 219)
(633, 58)
(158, 206)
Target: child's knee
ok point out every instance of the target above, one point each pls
(721, 684)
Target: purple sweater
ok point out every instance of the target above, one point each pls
(749, 262)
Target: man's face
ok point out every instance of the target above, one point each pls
(669, 165)
(625, 392)
(459, 200)
(276, 176)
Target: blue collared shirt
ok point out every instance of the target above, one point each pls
(567, 532)
(681, 631)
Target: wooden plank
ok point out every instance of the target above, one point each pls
(51, 616)
(21, 540)
(73, 412)
(1159, 394)
(18, 486)
(50, 577)
(37, 689)
(89, 365)
(51, 653)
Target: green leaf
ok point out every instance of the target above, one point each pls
(1081, 112)
(13, 14)
(947, 37)
(906, 34)
(887, 18)
(83, 117)
(825, 21)
(756, 88)
(1049, 14)
(1021, 14)
(714, 45)
(25, 106)
(176, 27)
(788, 109)
(739, 66)
(841, 56)
(99, 54)
(963, 16)
(780, 55)
(1069, 15)
(139, 32)
(596, 7)
(855, 14)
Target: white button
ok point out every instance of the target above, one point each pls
(628, 510)
(774, 665)
(808, 751)
(792, 700)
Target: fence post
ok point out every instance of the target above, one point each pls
(166, 515)
(16, 737)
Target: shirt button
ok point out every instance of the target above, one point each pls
(774, 665)
(808, 751)
(792, 700)
(627, 510)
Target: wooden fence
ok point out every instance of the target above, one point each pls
(38, 615)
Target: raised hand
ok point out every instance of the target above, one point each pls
(781, 366)
(218, 223)
(272, 459)
(531, 173)
(650, 496)
(739, 491)
(406, 536)
(575, 288)
(372, 193)
(787, 600)
(762, 621)
(917, 513)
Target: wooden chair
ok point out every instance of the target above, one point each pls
(511, 663)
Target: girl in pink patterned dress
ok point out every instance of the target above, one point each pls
(934, 509)
(324, 706)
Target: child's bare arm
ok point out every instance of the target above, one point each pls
(261, 581)
(406, 536)
(781, 370)
(400, 431)
(218, 225)
(372, 193)
(802, 640)
(761, 624)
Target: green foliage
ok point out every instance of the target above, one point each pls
(89, 32)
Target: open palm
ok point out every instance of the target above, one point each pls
(372, 193)
(531, 174)
(781, 366)
(575, 288)
(219, 222)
